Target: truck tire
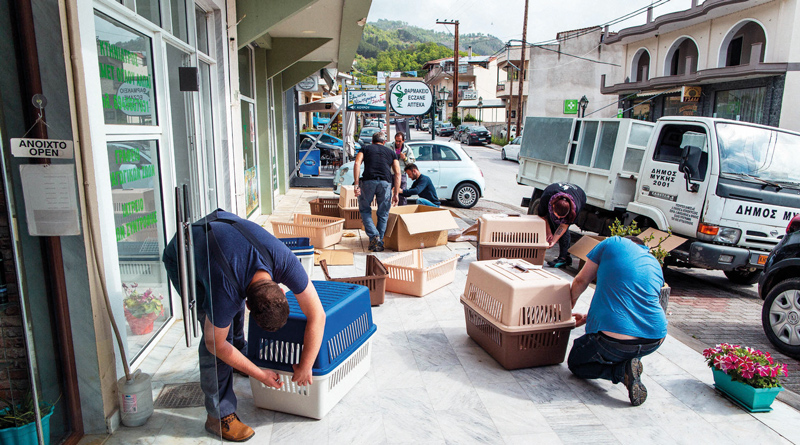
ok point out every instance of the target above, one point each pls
(742, 276)
(780, 317)
(533, 207)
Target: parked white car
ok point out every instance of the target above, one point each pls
(456, 177)
(511, 151)
(513, 132)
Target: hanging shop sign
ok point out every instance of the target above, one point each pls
(690, 94)
(410, 98)
(366, 100)
(571, 106)
(470, 94)
(42, 148)
(310, 83)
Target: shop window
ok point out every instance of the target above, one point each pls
(139, 226)
(180, 23)
(250, 163)
(741, 105)
(202, 30)
(641, 110)
(245, 73)
(149, 9)
(126, 73)
(674, 107)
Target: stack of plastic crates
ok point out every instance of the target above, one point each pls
(512, 236)
(409, 275)
(325, 207)
(348, 207)
(374, 279)
(343, 358)
(322, 231)
(520, 314)
(303, 250)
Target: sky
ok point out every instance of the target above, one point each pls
(503, 18)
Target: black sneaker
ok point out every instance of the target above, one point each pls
(561, 262)
(378, 247)
(373, 242)
(637, 393)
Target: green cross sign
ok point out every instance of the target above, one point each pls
(571, 106)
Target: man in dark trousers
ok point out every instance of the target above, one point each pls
(381, 181)
(422, 187)
(625, 320)
(560, 205)
(238, 264)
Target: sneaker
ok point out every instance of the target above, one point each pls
(561, 262)
(379, 247)
(373, 242)
(637, 393)
(229, 428)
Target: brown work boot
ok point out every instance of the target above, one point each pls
(229, 428)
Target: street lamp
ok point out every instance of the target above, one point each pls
(480, 110)
(583, 103)
(443, 93)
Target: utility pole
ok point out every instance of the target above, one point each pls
(522, 68)
(510, 94)
(455, 67)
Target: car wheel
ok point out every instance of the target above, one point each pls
(742, 276)
(780, 316)
(503, 154)
(466, 195)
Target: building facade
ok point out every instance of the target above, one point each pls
(721, 58)
(169, 103)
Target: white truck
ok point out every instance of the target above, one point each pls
(728, 187)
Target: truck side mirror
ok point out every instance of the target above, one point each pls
(690, 166)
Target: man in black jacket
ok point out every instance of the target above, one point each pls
(422, 187)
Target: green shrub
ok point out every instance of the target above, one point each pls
(455, 120)
(470, 118)
(497, 140)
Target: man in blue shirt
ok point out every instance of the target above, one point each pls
(625, 320)
(422, 187)
(238, 264)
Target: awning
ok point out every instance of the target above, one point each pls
(326, 105)
(487, 103)
(646, 94)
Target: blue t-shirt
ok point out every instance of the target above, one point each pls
(629, 281)
(226, 297)
(423, 187)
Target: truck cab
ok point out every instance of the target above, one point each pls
(729, 187)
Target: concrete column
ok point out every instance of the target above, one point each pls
(264, 166)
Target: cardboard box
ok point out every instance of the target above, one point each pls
(587, 242)
(417, 226)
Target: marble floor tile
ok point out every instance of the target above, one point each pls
(546, 384)
(783, 419)
(748, 432)
(449, 388)
(366, 429)
(468, 426)
(431, 349)
(644, 434)
(291, 429)
(408, 416)
(456, 332)
(528, 439)
(391, 334)
(481, 367)
(395, 367)
(513, 413)
(701, 398)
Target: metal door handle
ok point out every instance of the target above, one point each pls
(186, 267)
(187, 214)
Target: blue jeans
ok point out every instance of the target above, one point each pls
(382, 192)
(594, 356)
(425, 202)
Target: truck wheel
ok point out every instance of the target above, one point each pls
(533, 207)
(743, 276)
(466, 195)
(780, 317)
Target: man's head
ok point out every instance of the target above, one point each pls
(378, 138)
(399, 137)
(561, 208)
(412, 171)
(268, 305)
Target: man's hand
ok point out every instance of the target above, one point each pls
(269, 378)
(357, 190)
(403, 156)
(302, 375)
(580, 319)
(395, 199)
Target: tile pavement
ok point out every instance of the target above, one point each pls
(430, 383)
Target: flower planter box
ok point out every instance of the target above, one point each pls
(26, 434)
(755, 400)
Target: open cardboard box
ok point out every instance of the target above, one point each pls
(417, 226)
(587, 242)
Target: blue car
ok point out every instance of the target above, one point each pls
(325, 139)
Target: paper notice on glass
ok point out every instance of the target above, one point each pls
(51, 202)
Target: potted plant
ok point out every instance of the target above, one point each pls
(746, 375)
(618, 229)
(141, 309)
(17, 422)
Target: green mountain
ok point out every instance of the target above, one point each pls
(391, 45)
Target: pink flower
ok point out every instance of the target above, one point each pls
(706, 352)
(763, 371)
(748, 373)
(729, 362)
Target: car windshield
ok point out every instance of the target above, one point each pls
(369, 131)
(761, 153)
(478, 128)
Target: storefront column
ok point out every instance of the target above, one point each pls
(280, 129)
(264, 129)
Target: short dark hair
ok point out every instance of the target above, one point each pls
(410, 167)
(635, 239)
(268, 305)
(561, 206)
(378, 137)
(401, 134)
